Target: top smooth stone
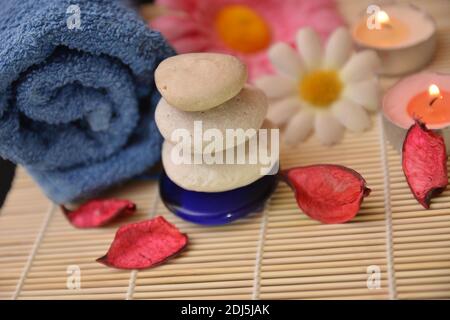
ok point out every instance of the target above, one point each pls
(200, 81)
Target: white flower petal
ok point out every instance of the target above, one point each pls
(361, 66)
(310, 47)
(338, 49)
(281, 111)
(286, 60)
(276, 86)
(351, 115)
(365, 93)
(328, 129)
(298, 128)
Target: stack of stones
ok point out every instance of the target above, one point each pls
(210, 89)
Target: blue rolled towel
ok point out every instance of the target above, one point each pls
(77, 93)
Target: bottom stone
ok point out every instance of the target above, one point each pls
(216, 208)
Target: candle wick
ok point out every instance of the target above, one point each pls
(434, 100)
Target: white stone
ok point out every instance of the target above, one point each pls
(245, 111)
(200, 81)
(216, 177)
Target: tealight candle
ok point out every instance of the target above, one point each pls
(431, 107)
(423, 96)
(402, 35)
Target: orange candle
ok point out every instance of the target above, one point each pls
(424, 96)
(431, 107)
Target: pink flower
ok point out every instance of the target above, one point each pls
(245, 28)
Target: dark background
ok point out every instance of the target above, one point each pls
(6, 176)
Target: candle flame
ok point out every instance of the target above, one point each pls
(382, 17)
(434, 91)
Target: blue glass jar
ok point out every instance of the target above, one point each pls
(216, 208)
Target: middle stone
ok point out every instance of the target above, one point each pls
(245, 111)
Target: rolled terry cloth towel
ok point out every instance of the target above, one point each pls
(77, 93)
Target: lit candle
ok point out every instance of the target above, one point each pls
(403, 36)
(389, 33)
(382, 18)
(424, 96)
(432, 106)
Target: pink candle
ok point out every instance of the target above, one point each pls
(431, 106)
(425, 96)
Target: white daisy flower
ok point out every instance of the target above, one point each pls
(328, 90)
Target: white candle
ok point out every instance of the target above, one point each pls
(403, 36)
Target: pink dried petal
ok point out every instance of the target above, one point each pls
(327, 193)
(144, 245)
(97, 213)
(424, 163)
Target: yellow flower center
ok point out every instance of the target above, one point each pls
(320, 88)
(242, 29)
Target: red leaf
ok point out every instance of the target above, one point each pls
(144, 244)
(424, 163)
(97, 213)
(327, 193)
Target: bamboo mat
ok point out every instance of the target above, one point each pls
(276, 254)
